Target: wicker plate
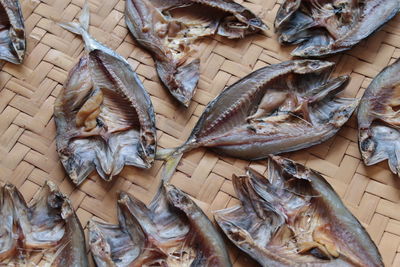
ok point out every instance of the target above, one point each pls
(27, 147)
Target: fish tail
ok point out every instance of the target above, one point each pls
(83, 25)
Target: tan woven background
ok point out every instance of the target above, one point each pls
(27, 147)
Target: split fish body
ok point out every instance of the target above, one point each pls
(171, 231)
(168, 29)
(104, 116)
(276, 109)
(324, 27)
(48, 226)
(295, 218)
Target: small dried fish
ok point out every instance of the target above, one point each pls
(172, 231)
(379, 119)
(324, 27)
(48, 226)
(12, 32)
(167, 28)
(295, 219)
(278, 108)
(105, 119)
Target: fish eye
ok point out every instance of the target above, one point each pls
(314, 65)
(316, 252)
(255, 21)
(367, 145)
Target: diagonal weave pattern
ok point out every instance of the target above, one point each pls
(27, 131)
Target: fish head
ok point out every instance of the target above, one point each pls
(179, 199)
(367, 144)
(379, 142)
(99, 247)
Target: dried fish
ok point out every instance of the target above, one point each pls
(379, 119)
(48, 227)
(168, 28)
(172, 231)
(324, 27)
(278, 108)
(295, 218)
(12, 32)
(105, 119)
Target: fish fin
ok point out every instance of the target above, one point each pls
(180, 80)
(316, 46)
(326, 90)
(330, 88)
(72, 27)
(83, 25)
(170, 167)
(172, 156)
(297, 31)
(164, 154)
(84, 18)
(394, 162)
(134, 217)
(188, 76)
(336, 111)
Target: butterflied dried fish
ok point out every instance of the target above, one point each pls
(379, 119)
(276, 109)
(172, 231)
(167, 28)
(12, 32)
(295, 218)
(324, 27)
(48, 227)
(105, 119)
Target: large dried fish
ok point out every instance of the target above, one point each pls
(48, 227)
(295, 219)
(324, 27)
(172, 231)
(379, 119)
(276, 109)
(12, 32)
(105, 119)
(167, 28)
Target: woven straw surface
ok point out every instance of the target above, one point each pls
(27, 131)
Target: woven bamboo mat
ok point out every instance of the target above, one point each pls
(27, 147)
